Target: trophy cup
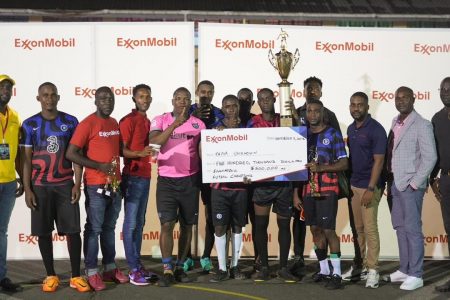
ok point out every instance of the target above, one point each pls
(112, 182)
(284, 61)
(315, 189)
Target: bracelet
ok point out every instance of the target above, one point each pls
(370, 188)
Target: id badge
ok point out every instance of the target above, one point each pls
(4, 152)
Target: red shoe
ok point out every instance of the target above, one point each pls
(96, 282)
(116, 276)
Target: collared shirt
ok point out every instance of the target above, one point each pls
(363, 143)
(11, 137)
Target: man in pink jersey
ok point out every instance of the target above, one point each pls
(177, 189)
(95, 145)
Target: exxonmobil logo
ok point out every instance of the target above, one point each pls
(331, 47)
(129, 43)
(227, 138)
(86, 92)
(30, 44)
(230, 45)
(294, 93)
(389, 96)
(427, 49)
(33, 240)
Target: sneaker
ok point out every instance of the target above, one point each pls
(236, 273)
(206, 264)
(149, 276)
(181, 276)
(355, 274)
(96, 282)
(334, 283)
(137, 278)
(443, 288)
(298, 266)
(80, 284)
(115, 276)
(262, 275)
(411, 283)
(257, 265)
(167, 279)
(220, 275)
(319, 277)
(188, 264)
(50, 284)
(397, 276)
(372, 279)
(8, 286)
(285, 275)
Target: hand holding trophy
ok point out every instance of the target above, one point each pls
(313, 175)
(112, 182)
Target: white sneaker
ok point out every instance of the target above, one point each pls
(397, 276)
(355, 273)
(372, 279)
(411, 283)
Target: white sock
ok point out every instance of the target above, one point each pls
(236, 243)
(336, 263)
(221, 252)
(324, 268)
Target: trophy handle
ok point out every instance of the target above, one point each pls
(272, 59)
(296, 58)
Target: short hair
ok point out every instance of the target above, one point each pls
(362, 95)
(230, 97)
(245, 90)
(140, 86)
(315, 101)
(207, 82)
(103, 89)
(312, 79)
(265, 90)
(405, 89)
(445, 80)
(182, 89)
(47, 83)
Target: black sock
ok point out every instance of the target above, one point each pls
(261, 223)
(74, 247)
(46, 247)
(284, 240)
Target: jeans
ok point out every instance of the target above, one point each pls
(102, 213)
(135, 190)
(407, 221)
(7, 201)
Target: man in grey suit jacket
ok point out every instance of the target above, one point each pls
(411, 157)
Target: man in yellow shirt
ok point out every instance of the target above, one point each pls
(10, 188)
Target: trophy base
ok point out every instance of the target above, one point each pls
(286, 121)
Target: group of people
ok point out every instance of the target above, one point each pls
(50, 150)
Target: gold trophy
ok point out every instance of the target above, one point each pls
(315, 189)
(112, 182)
(284, 61)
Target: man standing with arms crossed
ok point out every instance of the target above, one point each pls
(50, 192)
(179, 180)
(10, 162)
(367, 145)
(95, 145)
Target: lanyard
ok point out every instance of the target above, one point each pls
(6, 125)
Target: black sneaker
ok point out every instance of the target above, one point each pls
(8, 286)
(219, 276)
(167, 279)
(181, 276)
(318, 277)
(236, 273)
(334, 283)
(262, 275)
(285, 275)
(298, 266)
(257, 265)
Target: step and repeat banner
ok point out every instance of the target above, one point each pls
(80, 57)
(376, 61)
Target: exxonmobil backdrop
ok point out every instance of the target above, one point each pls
(376, 61)
(78, 58)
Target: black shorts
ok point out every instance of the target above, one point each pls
(177, 199)
(53, 206)
(229, 207)
(280, 194)
(321, 212)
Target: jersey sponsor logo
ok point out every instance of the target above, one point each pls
(30, 44)
(181, 136)
(132, 44)
(244, 44)
(226, 138)
(389, 96)
(330, 47)
(108, 133)
(427, 49)
(53, 145)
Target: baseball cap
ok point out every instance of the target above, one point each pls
(6, 77)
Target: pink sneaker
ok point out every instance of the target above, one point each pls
(96, 282)
(115, 275)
